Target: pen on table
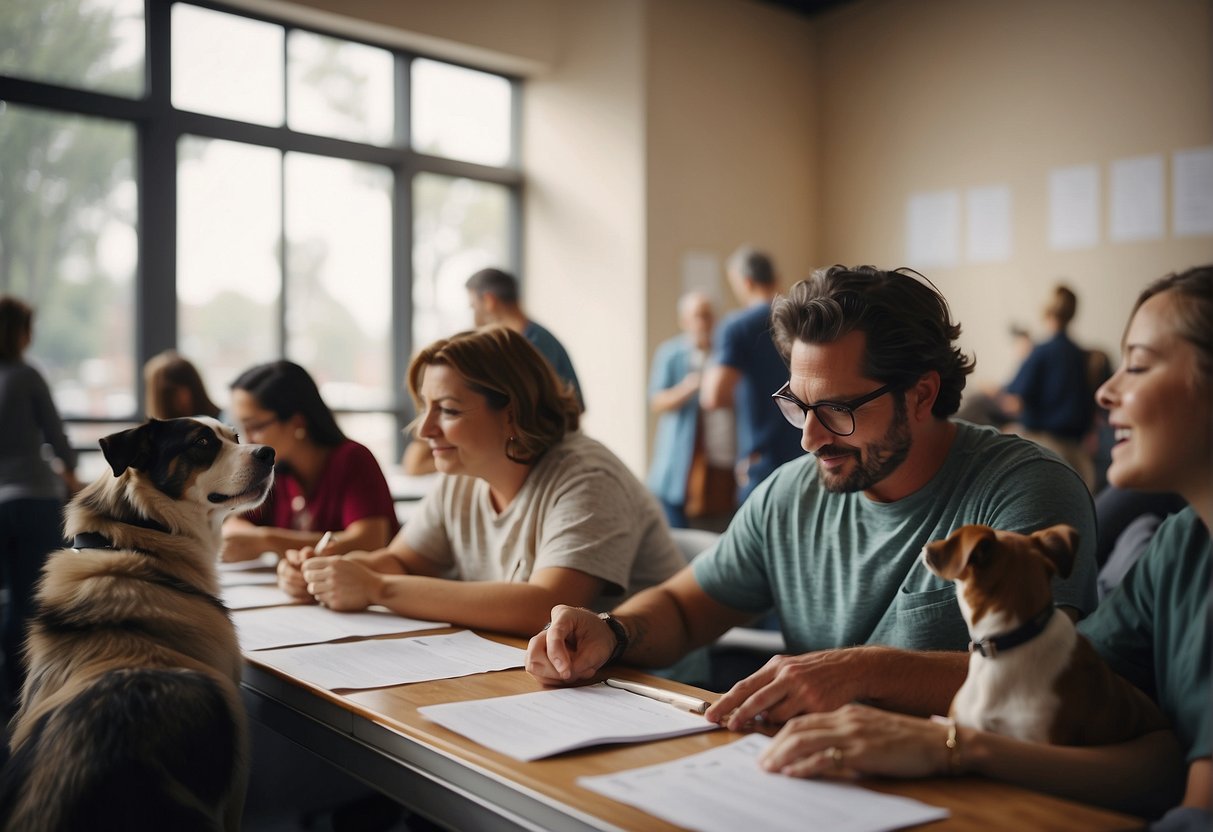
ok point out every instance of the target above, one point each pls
(679, 700)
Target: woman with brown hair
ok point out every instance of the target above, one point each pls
(173, 388)
(529, 513)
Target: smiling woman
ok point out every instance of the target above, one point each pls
(528, 514)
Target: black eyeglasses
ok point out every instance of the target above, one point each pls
(836, 417)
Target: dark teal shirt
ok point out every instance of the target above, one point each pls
(1154, 628)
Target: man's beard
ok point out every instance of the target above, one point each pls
(875, 461)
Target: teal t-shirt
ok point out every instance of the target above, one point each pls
(843, 570)
(1154, 628)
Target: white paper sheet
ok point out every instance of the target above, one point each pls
(1074, 207)
(530, 726)
(933, 229)
(1136, 211)
(988, 224)
(1192, 192)
(397, 661)
(723, 790)
(246, 578)
(284, 626)
(245, 597)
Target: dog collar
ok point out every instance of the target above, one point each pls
(1030, 629)
(96, 540)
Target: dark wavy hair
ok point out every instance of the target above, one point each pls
(286, 388)
(508, 371)
(1193, 310)
(16, 322)
(907, 322)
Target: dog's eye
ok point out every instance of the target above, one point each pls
(202, 441)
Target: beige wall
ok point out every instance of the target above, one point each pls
(731, 144)
(942, 94)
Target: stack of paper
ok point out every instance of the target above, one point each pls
(283, 626)
(397, 661)
(530, 726)
(724, 790)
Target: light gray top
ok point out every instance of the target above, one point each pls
(28, 420)
(580, 508)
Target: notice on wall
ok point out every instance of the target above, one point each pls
(988, 224)
(1136, 207)
(1192, 192)
(933, 229)
(1074, 207)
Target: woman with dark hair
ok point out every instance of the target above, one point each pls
(529, 513)
(31, 493)
(325, 482)
(174, 388)
(1153, 629)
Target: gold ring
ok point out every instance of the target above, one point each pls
(836, 755)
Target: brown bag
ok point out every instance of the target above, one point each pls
(710, 490)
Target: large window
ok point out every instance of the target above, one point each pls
(288, 192)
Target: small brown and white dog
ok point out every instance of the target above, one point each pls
(131, 716)
(1031, 675)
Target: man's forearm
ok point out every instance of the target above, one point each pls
(912, 682)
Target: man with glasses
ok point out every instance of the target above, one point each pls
(832, 540)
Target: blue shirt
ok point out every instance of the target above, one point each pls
(554, 352)
(674, 447)
(743, 342)
(1052, 383)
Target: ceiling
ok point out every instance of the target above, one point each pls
(808, 8)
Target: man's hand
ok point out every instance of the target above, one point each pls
(340, 584)
(788, 686)
(574, 645)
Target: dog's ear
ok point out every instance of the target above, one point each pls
(947, 558)
(129, 448)
(1058, 544)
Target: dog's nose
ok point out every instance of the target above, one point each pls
(265, 454)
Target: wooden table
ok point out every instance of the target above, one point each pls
(378, 737)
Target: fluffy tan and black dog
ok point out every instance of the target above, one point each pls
(130, 717)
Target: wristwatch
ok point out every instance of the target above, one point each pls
(621, 637)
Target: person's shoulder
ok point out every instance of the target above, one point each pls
(351, 452)
(1183, 529)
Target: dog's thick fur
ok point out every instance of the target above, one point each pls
(131, 717)
(1053, 688)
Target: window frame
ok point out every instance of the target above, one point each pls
(158, 128)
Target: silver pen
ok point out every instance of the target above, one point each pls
(323, 543)
(679, 700)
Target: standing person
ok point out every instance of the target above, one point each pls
(325, 482)
(493, 296)
(833, 540)
(682, 476)
(1153, 629)
(528, 511)
(173, 388)
(1051, 394)
(31, 493)
(747, 368)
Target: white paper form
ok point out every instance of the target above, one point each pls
(248, 578)
(933, 229)
(1074, 207)
(1137, 208)
(397, 661)
(246, 597)
(1192, 192)
(284, 626)
(723, 790)
(530, 726)
(988, 224)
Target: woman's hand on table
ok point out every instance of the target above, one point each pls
(340, 583)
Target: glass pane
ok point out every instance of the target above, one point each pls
(228, 273)
(378, 431)
(340, 89)
(90, 44)
(460, 113)
(459, 226)
(228, 66)
(339, 273)
(68, 247)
